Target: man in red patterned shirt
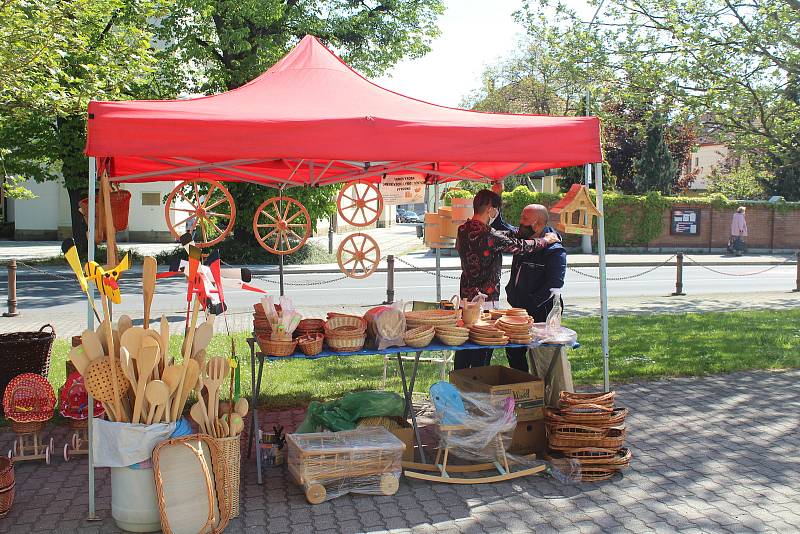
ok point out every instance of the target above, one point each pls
(481, 251)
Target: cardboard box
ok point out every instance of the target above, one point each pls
(405, 434)
(529, 437)
(528, 392)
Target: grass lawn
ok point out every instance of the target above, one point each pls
(641, 347)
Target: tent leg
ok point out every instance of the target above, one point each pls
(280, 271)
(601, 249)
(586, 240)
(90, 326)
(439, 248)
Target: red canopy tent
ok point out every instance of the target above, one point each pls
(312, 120)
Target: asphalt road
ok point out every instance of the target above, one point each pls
(64, 296)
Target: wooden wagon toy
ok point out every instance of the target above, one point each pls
(74, 407)
(329, 464)
(29, 402)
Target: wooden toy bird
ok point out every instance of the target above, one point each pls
(106, 281)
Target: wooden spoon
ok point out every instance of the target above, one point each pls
(198, 391)
(172, 378)
(148, 286)
(176, 404)
(157, 394)
(147, 358)
(226, 431)
(132, 340)
(216, 371)
(79, 359)
(242, 407)
(236, 425)
(123, 323)
(164, 342)
(190, 375)
(155, 336)
(92, 345)
(127, 366)
(202, 337)
(198, 414)
(100, 331)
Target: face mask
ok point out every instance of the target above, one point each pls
(525, 231)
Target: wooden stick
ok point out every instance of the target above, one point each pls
(111, 233)
(119, 412)
(187, 354)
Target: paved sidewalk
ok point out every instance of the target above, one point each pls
(714, 454)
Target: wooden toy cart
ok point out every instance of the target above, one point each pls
(29, 402)
(329, 464)
(74, 406)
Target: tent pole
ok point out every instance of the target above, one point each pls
(280, 256)
(438, 248)
(586, 240)
(90, 326)
(601, 250)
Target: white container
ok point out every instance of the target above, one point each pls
(134, 506)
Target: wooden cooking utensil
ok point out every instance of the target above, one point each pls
(216, 371)
(198, 390)
(127, 366)
(202, 337)
(132, 340)
(190, 375)
(115, 364)
(242, 407)
(78, 358)
(236, 425)
(176, 404)
(164, 341)
(198, 414)
(226, 431)
(155, 336)
(101, 328)
(157, 394)
(123, 323)
(92, 345)
(99, 382)
(172, 378)
(147, 358)
(149, 270)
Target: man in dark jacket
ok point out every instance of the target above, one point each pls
(534, 275)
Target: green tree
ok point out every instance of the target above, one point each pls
(223, 44)
(655, 170)
(742, 182)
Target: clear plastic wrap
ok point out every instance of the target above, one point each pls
(386, 326)
(329, 464)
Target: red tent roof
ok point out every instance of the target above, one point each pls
(311, 119)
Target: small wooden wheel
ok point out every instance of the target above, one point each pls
(66, 452)
(281, 225)
(360, 203)
(200, 204)
(358, 255)
(315, 493)
(389, 484)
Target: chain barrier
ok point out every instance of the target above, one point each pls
(264, 278)
(706, 267)
(432, 273)
(54, 276)
(628, 277)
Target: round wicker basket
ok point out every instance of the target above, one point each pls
(279, 349)
(419, 337)
(27, 428)
(345, 343)
(353, 322)
(310, 344)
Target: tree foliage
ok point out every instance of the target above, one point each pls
(655, 170)
(741, 182)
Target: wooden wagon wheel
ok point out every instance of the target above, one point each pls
(200, 204)
(358, 255)
(281, 225)
(360, 203)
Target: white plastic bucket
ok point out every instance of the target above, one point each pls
(134, 506)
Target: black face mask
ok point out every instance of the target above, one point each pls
(525, 231)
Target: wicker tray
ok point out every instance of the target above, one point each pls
(616, 417)
(605, 399)
(570, 436)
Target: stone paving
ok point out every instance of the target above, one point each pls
(713, 454)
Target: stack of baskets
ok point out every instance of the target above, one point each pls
(432, 318)
(588, 430)
(6, 486)
(420, 336)
(261, 326)
(452, 335)
(310, 326)
(345, 333)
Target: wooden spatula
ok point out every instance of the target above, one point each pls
(202, 337)
(176, 404)
(216, 371)
(150, 268)
(132, 340)
(123, 323)
(92, 345)
(172, 378)
(155, 336)
(127, 366)
(157, 394)
(198, 414)
(79, 359)
(147, 358)
(191, 374)
(164, 333)
(236, 425)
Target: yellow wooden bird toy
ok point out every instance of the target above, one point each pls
(106, 281)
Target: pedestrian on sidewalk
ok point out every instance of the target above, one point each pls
(737, 244)
(480, 249)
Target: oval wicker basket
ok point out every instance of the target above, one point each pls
(310, 344)
(564, 439)
(345, 343)
(605, 419)
(602, 398)
(308, 326)
(419, 337)
(354, 324)
(27, 427)
(279, 349)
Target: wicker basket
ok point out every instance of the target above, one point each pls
(605, 399)
(354, 323)
(346, 343)
(279, 349)
(419, 337)
(604, 419)
(25, 352)
(6, 499)
(6, 472)
(310, 344)
(27, 428)
(452, 341)
(231, 452)
(570, 436)
(307, 326)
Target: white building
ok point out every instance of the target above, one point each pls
(708, 156)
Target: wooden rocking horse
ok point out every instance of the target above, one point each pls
(455, 421)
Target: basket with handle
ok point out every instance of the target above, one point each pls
(231, 451)
(603, 398)
(29, 398)
(310, 344)
(25, 352)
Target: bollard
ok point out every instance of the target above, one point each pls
(679, 276)
(389, 279)
(797, 283)
(330, 236)
(12, 290)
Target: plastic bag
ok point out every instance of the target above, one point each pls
(386, 326)
(342, 414)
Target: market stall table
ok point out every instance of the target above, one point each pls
(408, 383)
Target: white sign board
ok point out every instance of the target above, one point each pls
(403, 189)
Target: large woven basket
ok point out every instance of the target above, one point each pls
(6, 499)
(419, 337)
(231, 451)
(6, 472)
(275, 348)
(603, 398)
(352, 322)
(346, 343)
(25, 352)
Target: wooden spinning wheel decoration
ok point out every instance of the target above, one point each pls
(281, 225)
(360, 203)
(358, 255)
(203, 208)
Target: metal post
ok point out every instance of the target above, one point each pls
(12, 289)
(679, 276)
(438, 248)
(389, 279)
(601, 250)
(90, 326)
(330, 235)
(586, 240)
(280, 271)
(797, 284)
